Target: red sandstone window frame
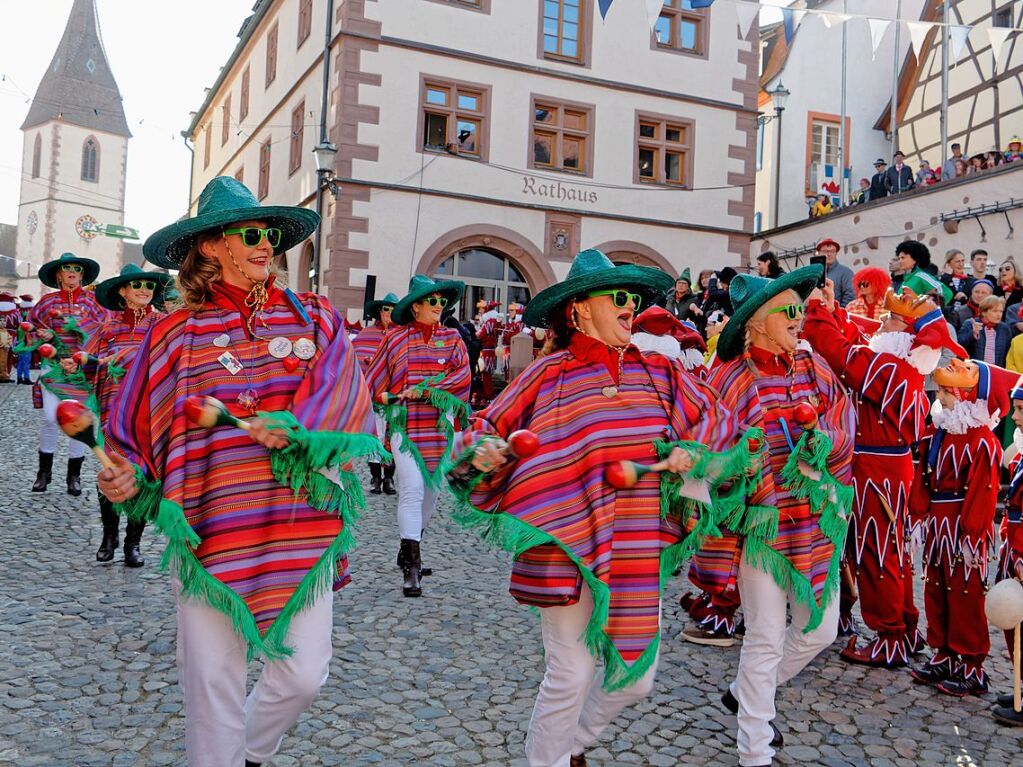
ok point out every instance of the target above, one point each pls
(264, 169)
(677, 13)
(225, 116)
(297, 137)
(243, 102)
(207, 145)
(561, 133)
(271, 54)
(654, 136)
(454, 111)
(550, 28)
(305, 21)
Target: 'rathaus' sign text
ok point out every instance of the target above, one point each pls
(556, 191)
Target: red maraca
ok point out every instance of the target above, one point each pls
(78, 422)
(523, 443)
(27, 327)
(754, 444)
(55, 313)
(47, 351)
(82, 358)
(805, 416)
(208, 412)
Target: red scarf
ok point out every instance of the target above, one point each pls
(426, 330)
(769, 363)
(232, 297)
(589, 349)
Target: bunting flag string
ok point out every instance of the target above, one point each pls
(997, 37)
(918, 31)
(958, 35)
(877, 29)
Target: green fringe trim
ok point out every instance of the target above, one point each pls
(115, 372)
(298, 465)
(145, 505)
(515, 536)
(828, 498)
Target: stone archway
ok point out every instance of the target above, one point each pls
(526, 256)
(628, 251)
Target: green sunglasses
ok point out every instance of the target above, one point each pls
(621, 298)
(435, 300)
(142, 285)
(75, 268)
(792, 311)
(253, 235)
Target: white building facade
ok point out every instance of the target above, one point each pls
(491, 141)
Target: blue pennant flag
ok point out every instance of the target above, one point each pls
(604, 5)
(789, 22)
(702, 3)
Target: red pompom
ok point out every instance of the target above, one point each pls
(47, 351)
(523, 443)
(805, 415)
(68, 410)
(27, 327)
(55, 313)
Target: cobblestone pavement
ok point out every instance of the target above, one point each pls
(87, 674)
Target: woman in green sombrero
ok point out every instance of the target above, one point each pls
(65, 320)
(258, 521)
(590, 555)
(783, 550)
(421, 377)
(129, 297)
(366, 344)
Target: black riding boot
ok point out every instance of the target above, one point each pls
(45, 473)
(110, 524)
(423, 571)
(389, 480)
(132, 537)
(74, 476)
(412, 587)
(374, 472)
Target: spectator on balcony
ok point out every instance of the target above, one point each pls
(1015, 151)
(1010, 285)
(821, 207)
(920, 273)
(979, 290)
(962, 168)
(878, 187)
(899, 177)
(978, 163)
(978, 262)
(838, 273)
(925, 176)
(949, 169)
(768, 266)
(863, 194)
(955, 277)
(994, 159)
(987, 338)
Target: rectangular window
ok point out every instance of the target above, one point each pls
(476, 5)
(563, 29)
(562, 136)
(824, 146)
(454, 117)
(682, 28)
(297, 133)
(243, 102)
(271, 54)
(1003, 17)
(760, 145)
(207, 145)
(664, 151)
(264, 169)
(305, 20)
(225, 118)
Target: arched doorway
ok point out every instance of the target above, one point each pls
(305, 265)
(488, 275)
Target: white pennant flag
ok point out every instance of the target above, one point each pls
(877, 29)
(745, 14)
(653, 12)
(833, 19)
(917, 33)
(958, 34)
(998, 36)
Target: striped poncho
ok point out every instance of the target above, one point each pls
(367, 342)
(73, 316)
(435, 360)
(562, 520)
(114, 347)
(790, 529)
(255, 533)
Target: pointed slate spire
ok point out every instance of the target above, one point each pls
(78, 86)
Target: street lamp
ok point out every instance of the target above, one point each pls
(779, 97)
(324, 152)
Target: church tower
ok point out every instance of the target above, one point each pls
(75, 156)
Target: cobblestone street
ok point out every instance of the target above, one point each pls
(87, 672)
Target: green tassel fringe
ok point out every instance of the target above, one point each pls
(145, 506)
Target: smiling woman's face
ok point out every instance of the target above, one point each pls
(240, 265)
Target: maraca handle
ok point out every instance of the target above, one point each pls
(227, 419)
(104, 459)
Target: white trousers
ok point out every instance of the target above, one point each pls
(416, 501)
(381, 426)
(223, 727)
(771, 655)
(48, 429)
(572, 708)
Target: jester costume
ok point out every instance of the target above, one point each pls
(592, 557)
(489, 334)
(72, 316)
(509, 330)
(432, 360)
(10, 318)
(366, 344)
(954, 494)
(886, 376)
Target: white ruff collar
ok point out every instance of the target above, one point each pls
(963, 417)
(923, 358)
(665, 345)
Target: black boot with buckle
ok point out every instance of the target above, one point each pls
(45, 473)
(74, 476)
(412, 586)
(374, 484)
(389, 480)
(132, 537)
(106, 549)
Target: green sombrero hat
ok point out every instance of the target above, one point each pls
(592, 270)
(748, 292)
(419, 287)
(48, 271)
(225, 200)
(373, 307)
(108, 297)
